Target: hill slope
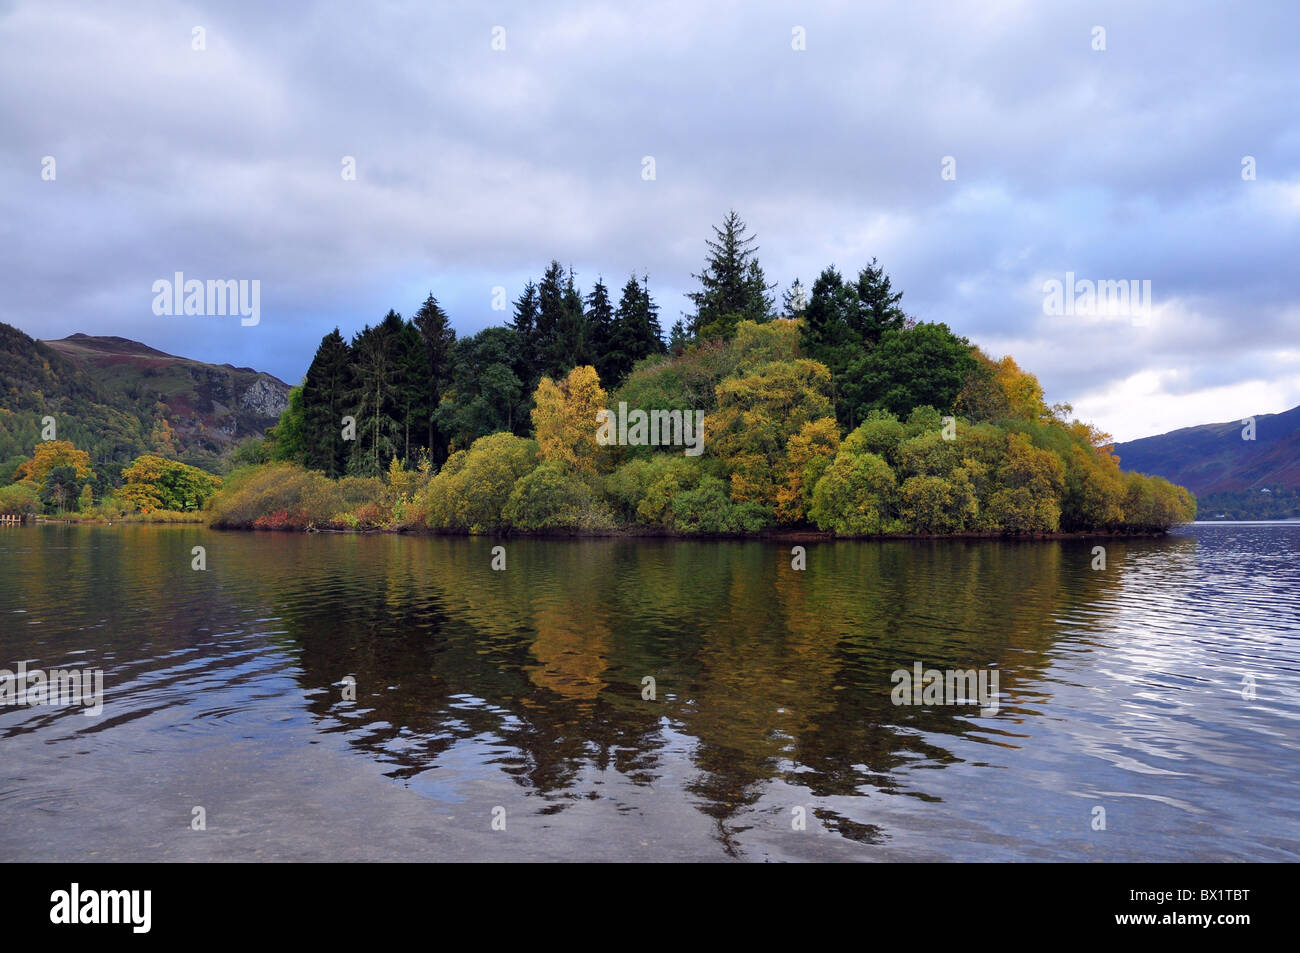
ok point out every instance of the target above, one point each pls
(1240, 478)
(118, 398)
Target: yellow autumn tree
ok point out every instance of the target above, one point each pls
(1023, 392)
(564, 416)
(47, 456)
(757, 414)
(807, 455)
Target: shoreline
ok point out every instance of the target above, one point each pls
(793, 535)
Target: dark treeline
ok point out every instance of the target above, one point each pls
(413, 389)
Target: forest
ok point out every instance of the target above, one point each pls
(835, 412)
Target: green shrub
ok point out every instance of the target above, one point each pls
(554, 497)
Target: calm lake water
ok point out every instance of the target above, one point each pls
(520, 692)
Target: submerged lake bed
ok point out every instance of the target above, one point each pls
(373, 697)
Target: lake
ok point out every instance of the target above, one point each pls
(1149, 710)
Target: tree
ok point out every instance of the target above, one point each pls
(411, 388)
(291, 437)
(564, 416)
(981, 396)
(1030, 484)
(794, 301)
(758, 412)
(937, 504)
(808, 453)
(554, 330)
(636, 333)
(600, 330)
(826, 333)
(732, 285)
(855, 496)
(486, 395)
(877, 310)
(1023, 393)
(926, 364)
(153, 483)
(845, 324)
(326, 400)
(375, 391)
(572, 346)
(470, 492)
(678, 338)
(50, 454)
(438, 339)
(524, 324)
(61, 488)
(553, 497)
(19, 499)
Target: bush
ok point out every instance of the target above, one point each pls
(474, 485)
(19, 499)
(554, 497)
(285, 496)
(855, 496)
(707, 509)
(155, 483)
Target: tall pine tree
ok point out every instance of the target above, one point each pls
(550, 319)
(375, 396)
(732, 285)
(571, 346)
(325, 402)
(600, 328)
(438, 339)
(637, 333)
(524, 324)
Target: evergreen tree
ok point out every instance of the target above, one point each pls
(411, 389)
(878, 309)
(524, 325)
(600, 329)
(651, 334)
(678, 338)
(636, 331)
(550, 319)
(571, 344)
(325, 402)
(732, 285)
(438, 338)
(827, 333)
(374, 395)
(794, 302)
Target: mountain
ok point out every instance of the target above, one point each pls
(119, 398)
(1241, 479)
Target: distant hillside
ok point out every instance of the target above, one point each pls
(119, 398)
(1242, 479)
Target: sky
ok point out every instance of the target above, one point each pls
(978, 151)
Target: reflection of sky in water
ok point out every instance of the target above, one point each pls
(476, 689)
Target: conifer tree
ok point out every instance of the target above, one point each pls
(325, 402)
(732, 285)
(600, 329)
(438, 339)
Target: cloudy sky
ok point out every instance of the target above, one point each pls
(475, 166)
